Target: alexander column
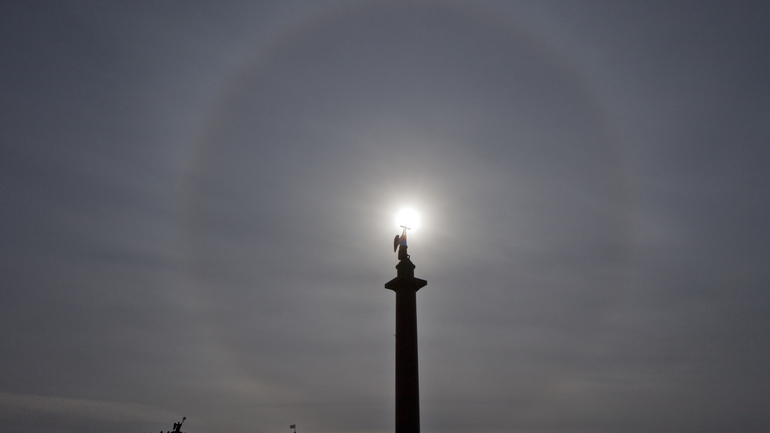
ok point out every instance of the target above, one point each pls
(407, 378)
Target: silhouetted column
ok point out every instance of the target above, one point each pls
(407, 377)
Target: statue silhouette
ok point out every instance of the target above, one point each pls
(399, 243)
(178, 426)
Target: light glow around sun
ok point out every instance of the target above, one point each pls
(408, 217)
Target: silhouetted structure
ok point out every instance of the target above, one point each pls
(407, 378)
(178, 425)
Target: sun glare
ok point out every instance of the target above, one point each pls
(408, 217)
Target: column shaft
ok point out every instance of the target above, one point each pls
(407, 373)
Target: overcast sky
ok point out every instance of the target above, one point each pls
(197, 205)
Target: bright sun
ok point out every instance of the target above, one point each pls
(408, 217)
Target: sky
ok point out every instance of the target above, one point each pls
(198, 200)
